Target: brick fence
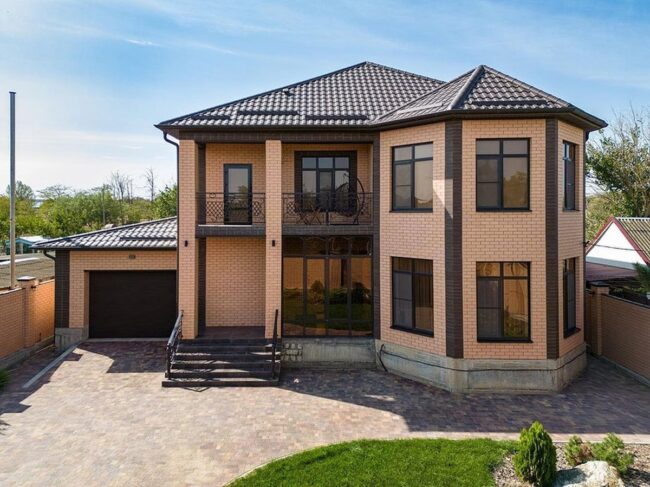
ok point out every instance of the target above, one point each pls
(619, 330)
(26, 320)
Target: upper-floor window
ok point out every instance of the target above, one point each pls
(502, 167)
(569, 176)
(413, 294)
(569, 296)
(503, 301)
(413, 177)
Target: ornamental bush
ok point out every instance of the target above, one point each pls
(612, 451)
(535, 460)
(577, 452)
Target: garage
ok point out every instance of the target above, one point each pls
(132, 304)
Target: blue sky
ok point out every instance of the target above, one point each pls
(94, 76)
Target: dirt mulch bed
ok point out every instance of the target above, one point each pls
(637, 476)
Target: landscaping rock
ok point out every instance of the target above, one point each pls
(590, 474)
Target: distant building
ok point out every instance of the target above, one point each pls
(24, 244)
(618, 245)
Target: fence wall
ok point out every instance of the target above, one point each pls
(26, 319)
(619, 330)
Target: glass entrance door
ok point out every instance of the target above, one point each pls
(327, 286)
(237, 194)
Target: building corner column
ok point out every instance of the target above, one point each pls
(552, 243)
(273, 232)
(599, 289)
(187, 272)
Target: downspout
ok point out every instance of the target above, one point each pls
(178, 192)
(53, 257)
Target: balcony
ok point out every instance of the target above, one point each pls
(347, 211)
(230, 214)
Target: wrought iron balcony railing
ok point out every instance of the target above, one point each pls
(327, 208)
(230, 208)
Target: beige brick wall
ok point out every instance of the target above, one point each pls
(188, 254)
(415, 235)
(83, 261)
(273, 244)
(505, 236)
(217, 155)
(26, 316)
(235, 277)
(570, 234)
(364, 162)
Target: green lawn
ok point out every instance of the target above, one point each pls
(386, 463)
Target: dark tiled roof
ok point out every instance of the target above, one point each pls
(371, 95)
(639, 230)
(349, 97)
(155, 234)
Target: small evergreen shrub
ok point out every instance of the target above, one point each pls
(4, 378)
(612, 451)
(535, 460)
(577, 452)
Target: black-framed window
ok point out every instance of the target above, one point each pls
(413, 294)
(325, 173)
(569, 296)
(413, 177)
(569, 176)
(503, 301)
(502, 174)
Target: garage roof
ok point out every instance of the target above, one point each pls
(155, 234)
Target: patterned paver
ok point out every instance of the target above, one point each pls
(101, 418)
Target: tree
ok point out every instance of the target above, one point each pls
(150, 179)
(54, 191)
(619, 163)
(165, 203)
(23, 191)
(599, 208)
(643, 276)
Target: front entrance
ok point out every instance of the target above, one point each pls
(238, 184)
(327, 286)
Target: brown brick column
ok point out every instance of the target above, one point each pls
(187, 242)
(273, 274)
(597, 317)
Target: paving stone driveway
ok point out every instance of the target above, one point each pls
(101, 418)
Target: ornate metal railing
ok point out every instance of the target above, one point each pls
(327, 208)
(274, 346)
(230, 208)
(174, 339)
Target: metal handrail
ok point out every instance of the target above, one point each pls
(231, 208)
(327, 208)
(174, 339)
(275, 343)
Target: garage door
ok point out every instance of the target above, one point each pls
(132, 304)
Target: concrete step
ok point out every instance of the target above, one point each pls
(223, 364)
(223, 348)
(221, 382)
(228, 341)
(219, 373)
(193, 356)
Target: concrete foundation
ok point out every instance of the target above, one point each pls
(328, 352)
(66, 337)
(484, 375)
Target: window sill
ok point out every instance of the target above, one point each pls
(503, 210)
(566, 210)
(504, 340)
(413, 330)
(411, 210)
(568, 333)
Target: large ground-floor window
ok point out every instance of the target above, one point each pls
(327, 286)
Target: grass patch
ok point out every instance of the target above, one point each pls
(418, 462)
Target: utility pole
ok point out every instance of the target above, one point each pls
(12, 187)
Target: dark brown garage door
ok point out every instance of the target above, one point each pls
(132, 304)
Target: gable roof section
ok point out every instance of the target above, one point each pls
(353, 96)
(374, 96)
(638, 231)
(155, 234)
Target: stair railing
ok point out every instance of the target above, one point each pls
(172, 344)
(274, 347)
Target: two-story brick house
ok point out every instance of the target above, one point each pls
(444, 220)
(432, 229)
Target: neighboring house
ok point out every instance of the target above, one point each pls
(619, 244)
(433, 229)
(34, 265)
(24, 244)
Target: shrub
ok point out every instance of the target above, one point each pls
(612, 451)
(535, 459)
(577, 452)
(4, 378)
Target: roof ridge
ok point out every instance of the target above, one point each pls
(462, 93)
(530, 87)
(104, 230)
(632, 217)
(403, 71)
(428, 93)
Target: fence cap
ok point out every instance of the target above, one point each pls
(598, 284)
